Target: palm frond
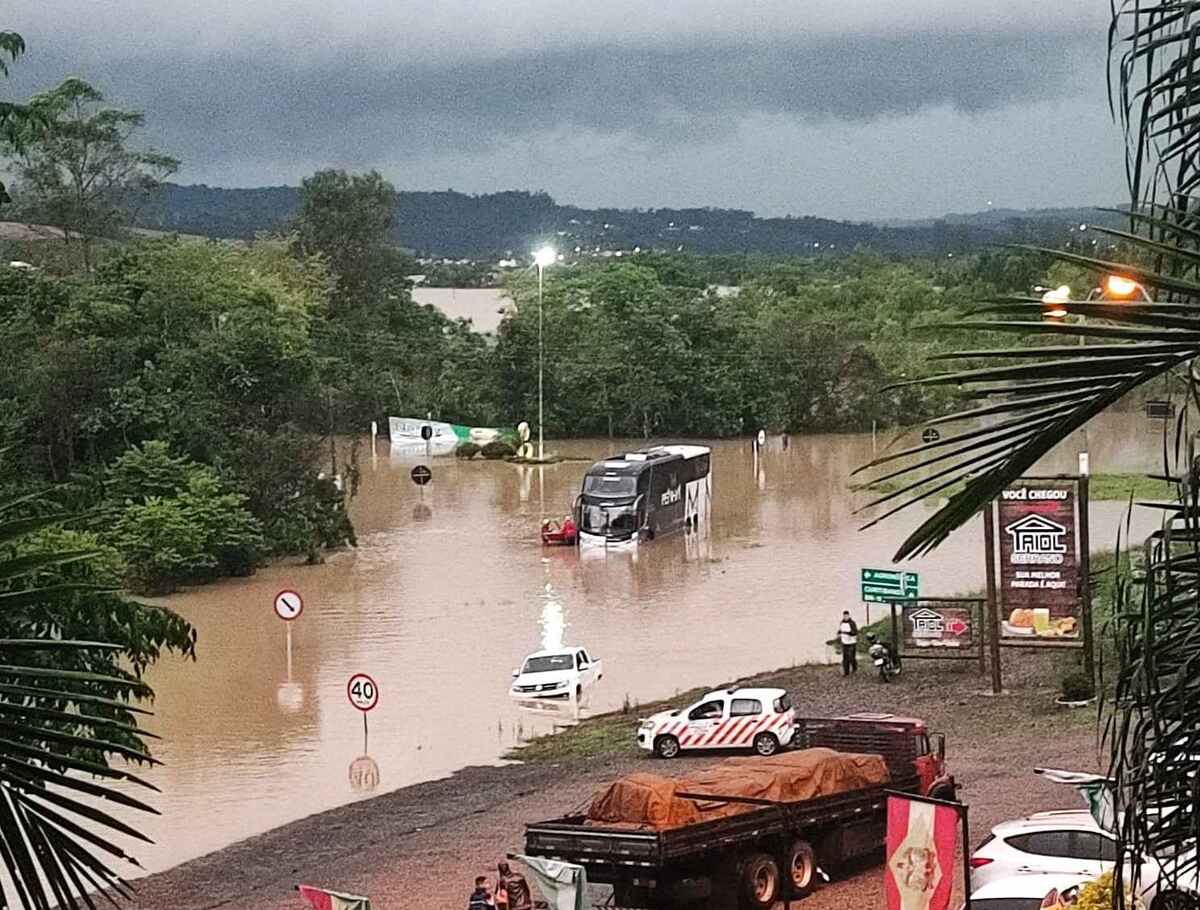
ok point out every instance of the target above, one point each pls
(61, 817)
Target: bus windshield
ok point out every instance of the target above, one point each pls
(610, 484)
(611, 521)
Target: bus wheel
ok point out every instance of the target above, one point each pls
(801, 868)
(666, 747)
(760, 882)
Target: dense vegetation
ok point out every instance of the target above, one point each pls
(503, 224)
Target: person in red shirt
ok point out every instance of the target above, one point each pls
(569, 531)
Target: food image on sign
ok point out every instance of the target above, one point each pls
(935, 625)
(1039, 566)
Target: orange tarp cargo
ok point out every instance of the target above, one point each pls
(650, 801)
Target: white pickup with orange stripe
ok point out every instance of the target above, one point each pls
(758, 719)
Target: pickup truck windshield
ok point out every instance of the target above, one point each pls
(549, 663)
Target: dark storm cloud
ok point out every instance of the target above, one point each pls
(243, 106)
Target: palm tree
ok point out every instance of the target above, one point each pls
(1030, 399)
(58, 726)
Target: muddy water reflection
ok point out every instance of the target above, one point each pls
(450, 588)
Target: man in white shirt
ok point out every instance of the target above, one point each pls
(848, 637)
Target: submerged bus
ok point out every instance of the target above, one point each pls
(640, 495)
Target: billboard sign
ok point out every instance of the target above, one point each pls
(1039, 560)
(932, 624)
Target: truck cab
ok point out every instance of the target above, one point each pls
(905, 743)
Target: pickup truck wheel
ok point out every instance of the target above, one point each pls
(666, 746)
(760, 882)
(766, 744)
(801, 868)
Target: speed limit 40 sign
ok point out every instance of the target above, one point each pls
(362, 692)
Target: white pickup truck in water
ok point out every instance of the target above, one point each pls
(561, 673)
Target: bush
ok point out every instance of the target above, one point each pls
(160, 545)
(498, 449)
(1098, 895)
(1076, 686)
(175, 522)
(467, 449)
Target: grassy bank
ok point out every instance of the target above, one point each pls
(932, 690)
(613, 734)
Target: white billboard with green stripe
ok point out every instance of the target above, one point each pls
(407, 430)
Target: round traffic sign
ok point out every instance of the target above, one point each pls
(288, 605)
(930, 435)
(362, 692)
(427, 432)
(421, 475)
(523, 431)
(762, 438)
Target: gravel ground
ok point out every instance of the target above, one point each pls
(419, 848)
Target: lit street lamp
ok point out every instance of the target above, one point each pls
(542, 258)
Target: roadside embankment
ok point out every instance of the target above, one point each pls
(420, 847)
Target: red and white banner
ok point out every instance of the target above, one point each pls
(321, 899)
(921, 837)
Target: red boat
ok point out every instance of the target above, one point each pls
(559, 535)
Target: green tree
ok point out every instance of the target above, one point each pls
(346, 218)
(17, 121)
(78, 171)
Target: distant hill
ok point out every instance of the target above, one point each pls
(495, 224)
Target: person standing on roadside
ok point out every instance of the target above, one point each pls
(848, 638)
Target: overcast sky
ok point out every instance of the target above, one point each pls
(857, 109)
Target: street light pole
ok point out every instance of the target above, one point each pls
(542, 258)
(541, 362)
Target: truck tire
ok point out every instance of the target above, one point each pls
(630, 897)
(766, 744)
(800, 869)
(666, 746)
(759, 882)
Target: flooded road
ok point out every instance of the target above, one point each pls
(450, 587)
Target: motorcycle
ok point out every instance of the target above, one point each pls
(885, 661)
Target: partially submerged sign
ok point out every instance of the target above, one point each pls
(362, 692)
(288, 605)
(1160, 410)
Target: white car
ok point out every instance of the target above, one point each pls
(561, 673)
(1066, 841)
(1028, 892)
(759, 719)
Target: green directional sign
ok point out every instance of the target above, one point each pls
(885, 585)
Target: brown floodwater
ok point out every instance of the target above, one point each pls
(449, 588)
